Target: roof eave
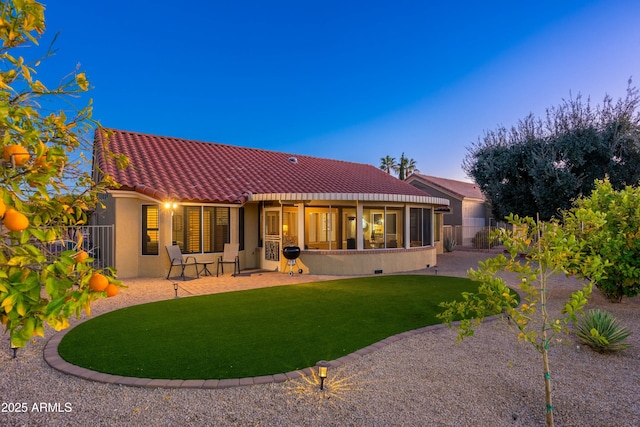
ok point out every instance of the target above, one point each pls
(361, 197)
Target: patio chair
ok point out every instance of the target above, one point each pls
(229, 256)
(178, 260)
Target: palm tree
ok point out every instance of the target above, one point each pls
(388, 164)
(402, 166)
(406, 167)
(411, 167)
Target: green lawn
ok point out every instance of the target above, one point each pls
(257, 332)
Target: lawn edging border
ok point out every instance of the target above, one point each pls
(53, 359)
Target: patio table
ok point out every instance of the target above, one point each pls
(203, 267)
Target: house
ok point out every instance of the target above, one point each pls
(468, 212)
(347, 218)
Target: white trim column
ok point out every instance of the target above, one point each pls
(407, 227)
(301, 235)
(359, 232)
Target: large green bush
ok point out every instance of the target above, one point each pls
(618, 241)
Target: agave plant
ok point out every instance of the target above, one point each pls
(449, 244)
(601, 331)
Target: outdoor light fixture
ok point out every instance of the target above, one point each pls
(175, 288)
(170, 205)
(322, 372)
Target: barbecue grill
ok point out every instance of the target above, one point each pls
(291, 253)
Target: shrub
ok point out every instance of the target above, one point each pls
(484, 239)
(601, 331)
(449, 244)
(617, 241)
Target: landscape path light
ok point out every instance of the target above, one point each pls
(323, 367)
(175, 288)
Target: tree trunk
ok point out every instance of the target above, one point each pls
(547, 383)
(545, 340)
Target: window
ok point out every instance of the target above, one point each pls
(349, 227)
(382, 228)
(331, 227)
(393, 230)
(150, 230)
(373, 228)
(192, 227)
(222, 232)
(321, 228)
(290, 226)
(199, 229)
(420, 227)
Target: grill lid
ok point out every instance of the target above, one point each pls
(291, 252)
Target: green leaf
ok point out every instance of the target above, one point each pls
(37, 233)
(21, 308)
(9, 302)
(55, 306)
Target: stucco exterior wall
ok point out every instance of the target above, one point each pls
(127, 237)
(364, 262)
(454, 217)
(475, 210)
(126, 212)
(129, 261)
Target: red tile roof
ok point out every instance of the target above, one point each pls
(186, 170)
(460, 189)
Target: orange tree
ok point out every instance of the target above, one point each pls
(618, 240)
(535, 251)
(44, 187)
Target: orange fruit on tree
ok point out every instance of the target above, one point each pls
(3, 208)
(81, 256)
(98, 282)
(14, 220)
(18, 152)
(112, 290)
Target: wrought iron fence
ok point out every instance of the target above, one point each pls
(472, 237)
(97, 241)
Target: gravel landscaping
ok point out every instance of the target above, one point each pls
(423, 379)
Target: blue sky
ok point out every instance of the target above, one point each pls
(349, 80)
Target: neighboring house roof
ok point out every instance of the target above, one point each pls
(458, 189)
(193, 171)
